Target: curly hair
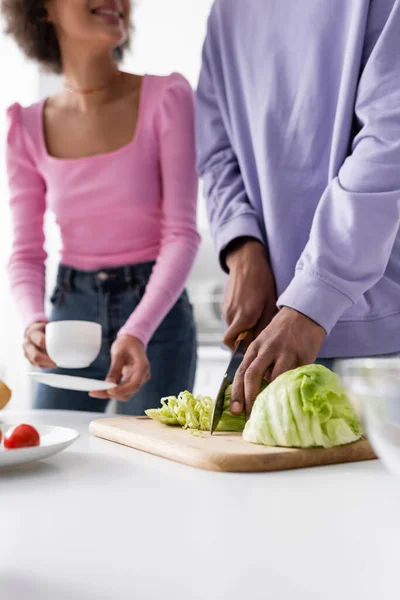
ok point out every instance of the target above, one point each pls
(26, 22)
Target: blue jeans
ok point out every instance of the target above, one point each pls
(109, 297)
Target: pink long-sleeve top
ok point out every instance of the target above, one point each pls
(132, 205)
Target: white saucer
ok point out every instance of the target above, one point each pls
(52, 441)
(67, 382)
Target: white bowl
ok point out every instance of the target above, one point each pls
(375, 383)
(52, 441)
(73, 344)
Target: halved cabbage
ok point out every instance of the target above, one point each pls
(304, 408)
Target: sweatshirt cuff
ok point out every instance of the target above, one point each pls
(315, 298)
(241, 226)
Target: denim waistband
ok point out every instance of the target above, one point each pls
(126, 276)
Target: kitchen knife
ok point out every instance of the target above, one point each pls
(229, 376)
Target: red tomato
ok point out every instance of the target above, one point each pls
(21, 436)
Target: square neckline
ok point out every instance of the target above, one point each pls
(93, 156)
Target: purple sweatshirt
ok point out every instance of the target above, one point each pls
(298, 129)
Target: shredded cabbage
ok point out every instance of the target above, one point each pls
(195, 413)
(304, 408)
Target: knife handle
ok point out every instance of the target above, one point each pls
(242, 337)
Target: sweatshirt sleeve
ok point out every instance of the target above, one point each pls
(180, 239)
(28, 204)
(358, 217)
(229, 210)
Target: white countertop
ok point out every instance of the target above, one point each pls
(103, 522)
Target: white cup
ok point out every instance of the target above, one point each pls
(73, 344)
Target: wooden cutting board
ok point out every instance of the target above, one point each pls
(222, 451)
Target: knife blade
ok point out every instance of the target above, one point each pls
(228, 378)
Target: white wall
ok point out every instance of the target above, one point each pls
(169, 36)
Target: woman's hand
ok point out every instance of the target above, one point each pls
(35, 346)
(130, 369)
(290, 341)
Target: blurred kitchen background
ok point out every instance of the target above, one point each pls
(168, 37)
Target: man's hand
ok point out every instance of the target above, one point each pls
(250, 297)
(35, 346)
(130, 369)
(290, 341)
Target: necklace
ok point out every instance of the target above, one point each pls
(85, 92)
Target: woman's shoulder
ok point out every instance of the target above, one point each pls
(24, 113)
(169, 93)
(172, 80)
(25, 117)
(175, 84)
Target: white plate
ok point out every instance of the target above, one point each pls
(67, 382)
(52, 441)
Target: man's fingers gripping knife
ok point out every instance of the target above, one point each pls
(239, 326)
(245, 381)
(255, 368)
(252, 383)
